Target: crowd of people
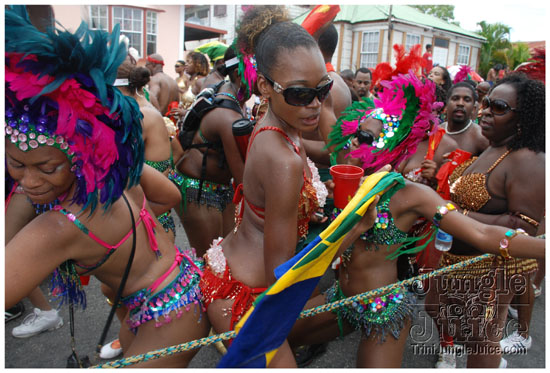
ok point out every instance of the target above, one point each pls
(104, 152)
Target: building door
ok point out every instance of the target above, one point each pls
(440, 51)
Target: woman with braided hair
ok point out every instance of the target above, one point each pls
(389, 130)
(73, 141)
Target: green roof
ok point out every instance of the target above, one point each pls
(369, 13)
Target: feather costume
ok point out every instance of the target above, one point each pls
(59, 92)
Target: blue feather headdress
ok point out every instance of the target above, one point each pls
(59, 92)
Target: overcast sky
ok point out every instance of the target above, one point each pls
(527, 18)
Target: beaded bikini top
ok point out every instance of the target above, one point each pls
(308, 202)
(470, 191)
(384, 231)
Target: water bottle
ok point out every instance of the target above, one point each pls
(443, 241)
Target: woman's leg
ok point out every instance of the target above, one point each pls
(317, 329)
(525, 303)
(388, 354)
(38, 300)
(484, 349)
(192, 325)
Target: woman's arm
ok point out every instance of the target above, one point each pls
(524, 190)
(34, 253)
(282, 180)
(221, 120)
(160, 192)
(19, 213)
(316, 151)
(483, 237)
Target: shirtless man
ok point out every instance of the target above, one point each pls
(162, 88)
(337, 101)
(461, 101)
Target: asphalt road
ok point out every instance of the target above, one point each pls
(51, 349)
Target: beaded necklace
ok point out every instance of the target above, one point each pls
(41, 208)
(459, 131)
(227, 94)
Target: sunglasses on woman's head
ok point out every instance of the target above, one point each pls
(301, 96)
(364, 137)
(497, 106)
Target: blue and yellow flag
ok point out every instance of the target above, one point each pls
(265, 326)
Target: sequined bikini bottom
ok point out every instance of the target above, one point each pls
(212, 194)
(378, 316)
(182, 292)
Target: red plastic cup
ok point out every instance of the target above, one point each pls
(346, 181)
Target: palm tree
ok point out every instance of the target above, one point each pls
(518, 54)
(498, 39)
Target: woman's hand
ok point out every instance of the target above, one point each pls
(178, 111)
(367, 221)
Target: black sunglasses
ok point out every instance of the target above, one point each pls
(364, 137)
(301, 96)
(497, 106)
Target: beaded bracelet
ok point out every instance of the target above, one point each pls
(442, 211)
(505, 242)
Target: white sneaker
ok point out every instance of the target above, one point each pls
(515, 343)
(512, 312)
(37, 322)
(110, 350)
(503, 363)
(537, 291)
(446, 359)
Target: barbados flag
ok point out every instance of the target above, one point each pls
(267, 323)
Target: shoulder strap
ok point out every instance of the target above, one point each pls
(498, 161)
(122, 281)
(276, 129)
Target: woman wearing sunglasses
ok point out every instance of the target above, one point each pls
(505, 185)
(280, 189)
(391, 131)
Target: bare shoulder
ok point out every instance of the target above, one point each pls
(150, 113)
(526, 159)
(447, 144)
(275, 154)
(412, 197)
(53, 231)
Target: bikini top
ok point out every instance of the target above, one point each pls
(307, 204)
(144, 217)
(470, 191)
(384, 231)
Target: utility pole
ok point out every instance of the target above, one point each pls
(390, 26)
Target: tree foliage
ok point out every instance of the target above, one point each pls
(493, 50)
(444, 12)
(518, 54)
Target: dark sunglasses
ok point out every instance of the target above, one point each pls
(364, 137)
(301, 96)
(497, 106)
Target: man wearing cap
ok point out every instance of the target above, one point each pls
(162, 88)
